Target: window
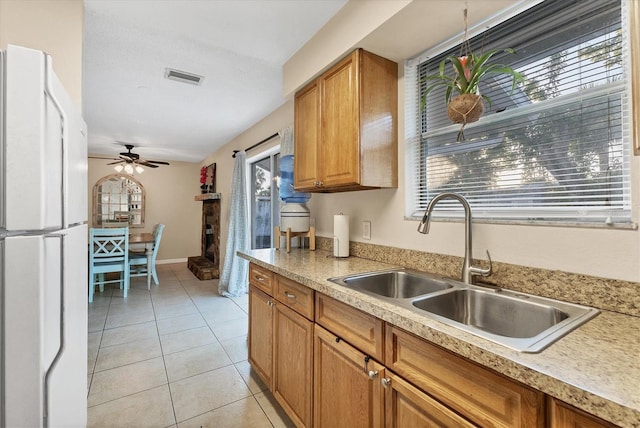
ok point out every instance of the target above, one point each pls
(118, 201)
(557, 148)
(265, 200)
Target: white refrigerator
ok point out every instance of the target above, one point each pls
(43, 246)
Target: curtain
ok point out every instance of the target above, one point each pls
(234, 277)
(286, 141)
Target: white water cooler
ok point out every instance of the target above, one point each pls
(294, 216)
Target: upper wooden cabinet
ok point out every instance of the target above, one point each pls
(346, 127)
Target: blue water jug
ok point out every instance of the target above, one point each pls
(287, 194)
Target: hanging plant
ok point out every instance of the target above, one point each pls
(462, 95)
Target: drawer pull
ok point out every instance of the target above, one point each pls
(259, 278)
(289, 295)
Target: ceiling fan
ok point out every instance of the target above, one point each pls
(128, 160)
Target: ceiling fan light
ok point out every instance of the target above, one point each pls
(118, 168)
(128, 169)
(139, 169)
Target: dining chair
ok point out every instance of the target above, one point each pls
(138, 260)
(108, 252)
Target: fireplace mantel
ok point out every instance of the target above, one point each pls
(206, 196)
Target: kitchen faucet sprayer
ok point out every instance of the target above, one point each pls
(468, 270)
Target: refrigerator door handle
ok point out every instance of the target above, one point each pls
(61, 347)
(48, 86)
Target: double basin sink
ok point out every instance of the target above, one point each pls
(519, 321)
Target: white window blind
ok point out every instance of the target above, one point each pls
(554, 150)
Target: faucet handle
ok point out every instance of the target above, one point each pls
(480, 271)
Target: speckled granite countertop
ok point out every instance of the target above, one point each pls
(595, 368)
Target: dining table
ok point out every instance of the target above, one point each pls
(143, 241)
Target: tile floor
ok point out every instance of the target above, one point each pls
(174, 357)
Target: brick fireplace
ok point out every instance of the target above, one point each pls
(207, 264)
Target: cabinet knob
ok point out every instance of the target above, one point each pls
(373, 374)
(289, 295)
(386, 382)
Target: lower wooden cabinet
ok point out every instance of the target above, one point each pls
(349, 369)
(407, 406)
(261, 334)
(293, 364)
(347, 388)
(562, 415)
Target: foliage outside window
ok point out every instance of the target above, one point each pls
(265, 202)
(554, 150)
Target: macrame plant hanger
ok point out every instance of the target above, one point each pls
(470, 111)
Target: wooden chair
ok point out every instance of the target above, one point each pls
(138, 260)
(108, 252)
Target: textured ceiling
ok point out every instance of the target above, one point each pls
(239, 46)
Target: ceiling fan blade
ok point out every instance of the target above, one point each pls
(116, 162)
(126, 157)
(145, 163)
(158, 162)
(102, 157)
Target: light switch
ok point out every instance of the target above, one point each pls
(366, 230)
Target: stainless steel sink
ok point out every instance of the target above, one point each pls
(519, 321)
(394, 284)
(494, 313)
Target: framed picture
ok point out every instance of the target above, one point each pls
(211, 177)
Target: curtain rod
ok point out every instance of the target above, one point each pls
(255, 145)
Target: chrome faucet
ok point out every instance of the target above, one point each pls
(468, 271)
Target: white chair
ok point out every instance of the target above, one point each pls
(138, 260)
(108, 252)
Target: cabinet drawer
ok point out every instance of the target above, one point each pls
(363, 331)
(485, 397)
(261, 278)
(294, 295)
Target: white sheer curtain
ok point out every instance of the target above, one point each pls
(234, 277)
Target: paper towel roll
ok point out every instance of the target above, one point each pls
(341, 235)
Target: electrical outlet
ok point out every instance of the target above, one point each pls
(366, 230)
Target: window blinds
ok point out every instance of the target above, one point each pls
(556, 148)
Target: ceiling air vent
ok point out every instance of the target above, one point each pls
(183, 76)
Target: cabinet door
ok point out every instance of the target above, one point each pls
(344, 393)
(407, 406)
(306, 137)
(340, 148)
(562, 415)
(261, 334)
(293, 364)
(484, 397)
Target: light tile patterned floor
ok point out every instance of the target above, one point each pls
(175, 356)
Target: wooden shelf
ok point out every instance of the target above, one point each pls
(207, 196)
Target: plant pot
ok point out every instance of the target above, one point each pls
(465, 108)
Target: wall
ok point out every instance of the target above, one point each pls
(608, 253)
(274, 122)
(169, 200)
(53, 26)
